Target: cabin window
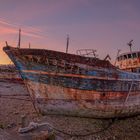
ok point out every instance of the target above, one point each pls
(134, 70)
(119, 58)
(134, 55)
(138, 54)
(129, 55)
(138, 70)
(125, 57)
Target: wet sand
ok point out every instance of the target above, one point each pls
(15, 103)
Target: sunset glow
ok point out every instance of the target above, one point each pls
(95, 24)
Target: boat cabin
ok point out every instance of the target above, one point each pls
(129, 61)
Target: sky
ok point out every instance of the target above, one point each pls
(102, 25)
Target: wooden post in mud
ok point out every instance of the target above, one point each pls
(23, 121)
(67, 44)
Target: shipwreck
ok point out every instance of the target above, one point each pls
(76, 85)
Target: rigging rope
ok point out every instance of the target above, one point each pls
(88, 134)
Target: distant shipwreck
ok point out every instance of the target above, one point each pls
(73, 85)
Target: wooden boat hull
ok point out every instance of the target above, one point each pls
(72, 85)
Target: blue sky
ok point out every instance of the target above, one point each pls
(104, 25)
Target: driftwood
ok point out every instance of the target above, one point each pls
(32, 126)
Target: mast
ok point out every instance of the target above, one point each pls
(67, 45)
(6, 43)
(130, 45)
(118, 52)
(19, 39)
(29, 45)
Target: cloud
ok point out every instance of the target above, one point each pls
(7, 30)
(12, 28)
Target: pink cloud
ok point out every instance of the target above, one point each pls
(11, 28)
(5, 30)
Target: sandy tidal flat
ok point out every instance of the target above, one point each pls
(15, 103)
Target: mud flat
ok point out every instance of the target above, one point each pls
(15, 103)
